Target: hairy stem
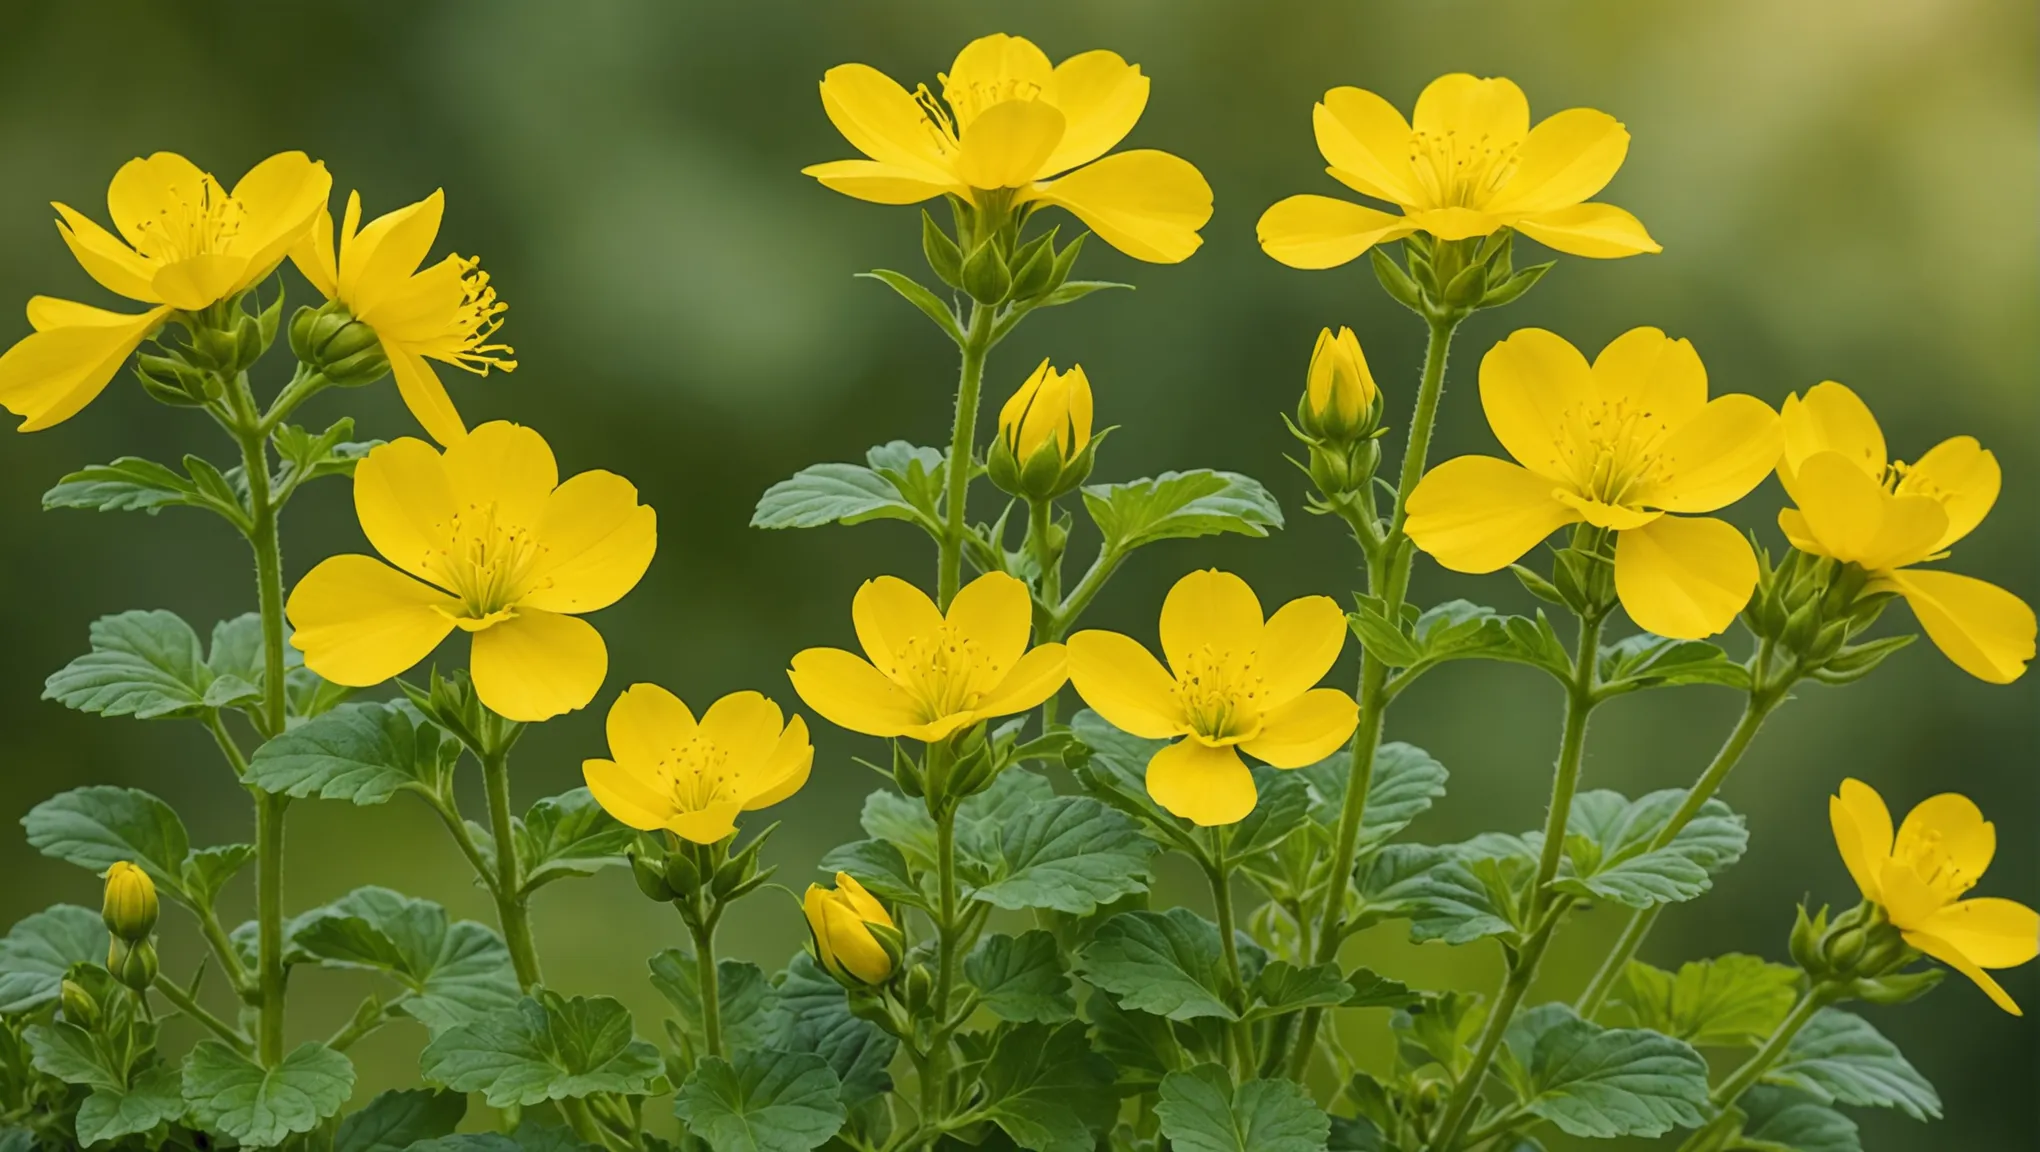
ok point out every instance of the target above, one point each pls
(1240, 1037)
(169, 990)
(266, 542)
(703, 929)
(934, 1075)
(512, 908)
(962, 451)
(1730, 1090)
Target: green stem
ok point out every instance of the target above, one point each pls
(962, 451)
(934, 1075)
(703, 928)
(229, 747)
(448, 811)
(263, 537)
(1048, 590)
(512, 910)
(1730, 1090)
(1240, 1037)
(169, 990)
(1087, 589)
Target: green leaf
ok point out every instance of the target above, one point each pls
(309, 457)
(156, 1097)
(455, 973)
(40, 948)
(767, 1101)
(545, 1048)
(813, 1015)
(898, 482)
(1406, 781)
(233, 1096)
(71, 1054)
(1141, 1046)
(1647, 661)
(1838, 1058)
(913, 292)
(570, 835)
(207, 870)
(1437, 891)
(144, 664)
(98, 827)
(1729, 1001)
(1373, 990)
(878, 866)
(1620, 865)
(893, 819)
(394, 1121)
(1068, 853)
(1437, 1027)
(1606, 1082)
(746, 998)
(1180, 505)
(1201, 1111)
(1167, 963)
(1022, 978)
(1282, 988)
(1282, 805)
(1779, 1120)
(129, 484)
(361, 753)
(1046, 1089)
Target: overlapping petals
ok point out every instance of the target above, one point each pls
(484, 538)
(668, 771)
(855, 938)
(1235, 682)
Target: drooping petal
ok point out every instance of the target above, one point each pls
(1209, 614)
(877, 183)
(889, 613)
(1985, 630)
(745, 726)
(104, 258)
(1320, 232)
(1101, 98)
(315, 256)
(1367, 143)
(405, 504)
(359, 621)
(598, 541)
(1947, 953)
(1125, 684)
(1717, 457)
(1564, 161)
(1009, 145)
(1145, 203)
(1948, 828)
(626, 796)
(1305, 730)
(1830, 418)
(850, 693)
(1855, 519)
(1990, 931)
(1684, 577)
(508, 465)
(1536, 388)
(1650, 372)
(993, 612)
(144, 192)
(281, 199)
(1204, 785)
(1493, 111)
(425, 396)
(1864, 842)
(1480, 514)
(785, 770)
(199, 281)
(48, 376)
(1597, 231)
(1038, 675)
(646, 724)
(1299, 644)
(1963, 477)
(538, 665)
(881, 119)
(393, 247)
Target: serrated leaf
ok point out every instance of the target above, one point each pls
(748, 1000)
(1281, 806)
(1732, 1000)
(1068, 853)
(898, 482)
(1406, 781)
(766, 1101)
(1180, 505)
(1624, 868)
(1779, 1120)
(813, 1015)
(71, 1054)
(1141, 1046)
(1167, 963)
(155, 1097)
(1647, 661)
(1282, 988)
(1201, 1111)
(570, 835)
(361, 753)
(1436, 891)
(1606, 1082)
(394, 1121)
(1046, 1089)
(207, 870)
(877, 865)
(456, 973)
(1022, 978)
(129, 484)
(98, 827)
(1373, 990)
(145, 664)
(39, 949)
(1838, 1058)
(546, 1047)
(229, 1094)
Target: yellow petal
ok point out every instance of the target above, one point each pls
(392, 248)
(1792, 522)
(1862, 829)
(1101, 98)
(359, 621)
(878, 183)
(105, 258)
(785, 770)
(1856, 520)
(1565, 160)
(853, 946)
(1145, 203)
(1320, 232)
(1534, 387)
(1037, 676)
(1985, 630)
(505, 464)
(538, 665)
(1952, 956)
(281, 199)
(1306, 729)
(1493, 112)
(941, 728)
(861, 901)
(1717, 457)
(598, 541)
(1651, 372)
(405, 503)
(1991, 932)
(745, 726)
(421, 312)
(1950, 829)
(1455, 223)
(1209, 614)
(1604, 515)
(1009, 145)
(646, 725)
(1684, 577)
(48, 376)
(708, 825)
(994, 613)
(1830, 418)
(626, 796)
(1480, 514)
(880, 119)
(425, 396)
(1125, 684)
(889, 613)
(1202, 784)
(199, 281)
(146, 191)
(1907, 897)
(314, 255)
(850, 693)
(1598, 231)
(1963, 477)
(1367, 143)
(1299, 644)
(992, 69)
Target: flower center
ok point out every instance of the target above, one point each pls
(971, 100)
(936, 120)
(1930, 859)
(701, 774)
(946, 673)
(1461, 171)
(1610, 450)
(1222, 694)
(487, 563)
(199, 223)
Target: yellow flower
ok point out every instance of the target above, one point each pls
(1919, 876)
(1887, 517)
(928, 674)
(446, 312)
(1234, 684)
(1471, 164)
(854, 937)
(1340, 394)
(1050, 407)
(185, 244)
(1013, 122)
(693, 778)
(130, 908)
(1617, 445)
(498, 547)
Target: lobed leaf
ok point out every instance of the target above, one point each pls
(1606, 1082)
(395, 1120)
(100, 826)
(261, 1107)
(546, 1047)
(455, 972)
(1046, 1089)
(1180, 505)
(1022, 978)
(1732, 1000)
(766, 1101)
(1166, 963)
(155, 1097)
(1838, 1058)
(747, 999)
(39, 949)
(361, 753)
(1201, 1111)
(813, 1015)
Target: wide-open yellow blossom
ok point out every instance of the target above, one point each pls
(445, 312)
(1888, 516)
(929, 675)
(484, 538)
(1919, 876)
(1235, 683)
(1620, 445)
(1009, 122)
(1468, 164)
(851, 931)
(185, 243)
(692, 777)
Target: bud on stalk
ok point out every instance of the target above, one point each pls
(1045, 447)
(855, 939)
(130, 907)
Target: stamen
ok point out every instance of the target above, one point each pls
(1458, 171)
(198, 222)
(945, 673)
(476, 319)
(487, 563)
(1221, 692)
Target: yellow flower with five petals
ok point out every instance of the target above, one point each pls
(1622, 445)
(1919, 877)
(924, 674)
(672, 772)
(1011, 127)
(1235, 683)
(484, 538)
(1888, 516)
(1467, 164)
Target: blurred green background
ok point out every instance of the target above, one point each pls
(1843, 190)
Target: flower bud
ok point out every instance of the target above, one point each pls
(650, 875)
(1340, 400)
(130, 908)
(79, 1006)
(336, 345)
(133, 963)
(855, 939)
(1045, 446)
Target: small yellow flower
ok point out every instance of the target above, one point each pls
(130, 908)
(1013, 122)
(1470, 164)
(1619, 445)
(446, 312)
(498, 547)
(185, 244)
(854, 937)
(1340, 394)
(1886, 517)
(1234, 684)
(693, 778)
(1919, 876)
(930, 675)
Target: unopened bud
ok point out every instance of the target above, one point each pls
(336, 345)
(1341, 403)
(132, 963)
(130, 907)
(855, 938)
(1045, 447)
(79, 1006)
(651, 877)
